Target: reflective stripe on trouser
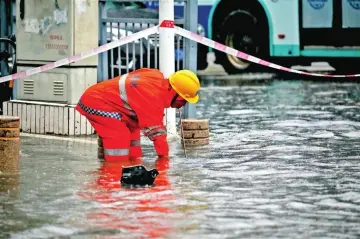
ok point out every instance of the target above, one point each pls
(135, 144)
(114, 133)
(116, 152)
(92, 111)
(116, 142)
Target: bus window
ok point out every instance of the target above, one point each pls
(351, 14)
(317, 14)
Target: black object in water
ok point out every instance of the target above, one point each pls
(138, 176)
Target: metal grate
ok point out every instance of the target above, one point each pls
(138, 54)
(121, 22)
(28, 87)
(58, 88)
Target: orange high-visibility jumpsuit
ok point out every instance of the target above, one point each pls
(120, 107)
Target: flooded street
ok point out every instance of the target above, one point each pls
(283, 162)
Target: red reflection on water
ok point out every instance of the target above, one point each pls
(145, 212)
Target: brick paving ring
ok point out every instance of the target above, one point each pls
(9, 144)
(196, 132)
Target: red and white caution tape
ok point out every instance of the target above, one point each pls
(231, 51)
(166, 24)
(78, 57)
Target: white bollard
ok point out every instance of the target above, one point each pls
(167, 55)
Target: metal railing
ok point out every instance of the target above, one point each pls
(125, 20)
(140, 53)
(7, 47)
(7, 17)
(7, 43)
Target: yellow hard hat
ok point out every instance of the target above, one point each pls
(186, 84)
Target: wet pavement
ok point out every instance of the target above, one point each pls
(283, 162)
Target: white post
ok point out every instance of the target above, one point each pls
(167, 53)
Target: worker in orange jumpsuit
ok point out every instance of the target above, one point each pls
(119, 108)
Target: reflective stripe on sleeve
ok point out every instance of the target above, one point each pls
(156, 133)
(149, 129)
(116, 152)
(123, 94)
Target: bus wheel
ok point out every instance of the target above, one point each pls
(248, 37)
(245, 44)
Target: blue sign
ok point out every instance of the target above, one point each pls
(355, 4)
(152, 4)
(179, 54)
(317, 4)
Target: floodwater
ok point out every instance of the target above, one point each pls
(283, 162)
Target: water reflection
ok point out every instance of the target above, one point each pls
(137, 212)
(283, 162)
(285, 154)
(10, 185)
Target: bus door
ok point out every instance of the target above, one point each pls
(329, 23)
(350, 24)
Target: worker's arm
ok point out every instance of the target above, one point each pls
(158, 135)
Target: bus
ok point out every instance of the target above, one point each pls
(284, 31)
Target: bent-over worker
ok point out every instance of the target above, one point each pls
(120, 107)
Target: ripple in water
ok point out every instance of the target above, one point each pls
(283, 162)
